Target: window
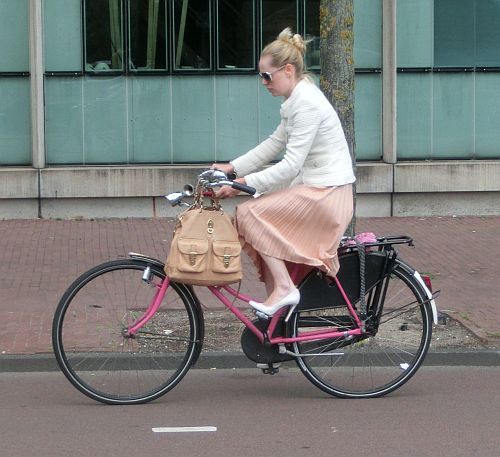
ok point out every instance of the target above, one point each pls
(63, 18)
(15, 114)
(454, 33)
(466, 33)
(192, 28)
(138, 36)
(487, 33)
(147, 35)
(103, 35)
(235, 34)
(311, 27)
(275, 16)
(14, 33)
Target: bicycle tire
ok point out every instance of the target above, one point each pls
(375, 365)
(92, 350)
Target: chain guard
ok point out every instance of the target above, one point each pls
(258, 352)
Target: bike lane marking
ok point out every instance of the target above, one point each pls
(183, 429)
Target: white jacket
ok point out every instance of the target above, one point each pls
(316, 151)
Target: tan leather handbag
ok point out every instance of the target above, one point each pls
(205, 250)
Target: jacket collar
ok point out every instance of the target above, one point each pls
(287, 105)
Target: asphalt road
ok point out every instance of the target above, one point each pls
(442, 411)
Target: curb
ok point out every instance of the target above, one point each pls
(229, 360)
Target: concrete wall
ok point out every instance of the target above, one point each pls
(402, 189)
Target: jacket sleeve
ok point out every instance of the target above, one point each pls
(301, 131)
(261, 154)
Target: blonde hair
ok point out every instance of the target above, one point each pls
(288, 48)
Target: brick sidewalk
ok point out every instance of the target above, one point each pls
(40, 258)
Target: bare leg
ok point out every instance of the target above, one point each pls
(268, 278)
(282, 283)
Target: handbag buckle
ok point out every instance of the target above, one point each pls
(210, 225)
(192, 258)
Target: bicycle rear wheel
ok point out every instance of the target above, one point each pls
(375, 364)
(93, 350)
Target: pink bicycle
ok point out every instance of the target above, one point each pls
(124, 334)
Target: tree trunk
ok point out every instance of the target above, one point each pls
(337, 68)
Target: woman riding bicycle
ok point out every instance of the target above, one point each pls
(305, 201)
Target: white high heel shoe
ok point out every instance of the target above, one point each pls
(292, 299)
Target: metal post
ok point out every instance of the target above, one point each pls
(36, 83)
(389, 91)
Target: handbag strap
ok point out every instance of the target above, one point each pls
(199, 199)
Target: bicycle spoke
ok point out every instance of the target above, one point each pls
(379, 362)
(91, 345)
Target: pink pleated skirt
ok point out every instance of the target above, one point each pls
(300, 225)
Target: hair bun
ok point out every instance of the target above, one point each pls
(295, 40)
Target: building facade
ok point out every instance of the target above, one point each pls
(107, 104)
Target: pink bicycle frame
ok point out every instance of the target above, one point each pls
(217, 292)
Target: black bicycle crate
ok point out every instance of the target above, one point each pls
(320, 291)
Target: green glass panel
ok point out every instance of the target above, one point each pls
(15, 121)
(237, 110)
(453, 116)
(269, 112)
(62, 35)
(454, 33)
(14, 35)
(193, 119)
(488, 33)
(487, 130)
(150, 130)
(414, 116)
(105, 120)
(414, 33)
(368, 33)
(64, 120)
(368, 116)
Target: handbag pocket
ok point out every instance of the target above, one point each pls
(226, 256)
(193, 255)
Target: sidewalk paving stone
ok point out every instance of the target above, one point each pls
(40, 258)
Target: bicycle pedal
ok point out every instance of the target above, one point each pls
(269, 368)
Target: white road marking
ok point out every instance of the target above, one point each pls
(183, 429)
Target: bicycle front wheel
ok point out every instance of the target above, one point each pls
(91, 343)
(375, 364)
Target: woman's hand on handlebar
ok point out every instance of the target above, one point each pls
(228, 191)
(227, 168)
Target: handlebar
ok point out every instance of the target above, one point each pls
(208, 180)
(217, 178)
(236, 185)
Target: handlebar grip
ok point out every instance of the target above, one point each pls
(243, 188)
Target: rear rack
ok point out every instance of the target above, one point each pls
(382, 243)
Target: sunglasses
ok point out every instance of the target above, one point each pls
(268, 75)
